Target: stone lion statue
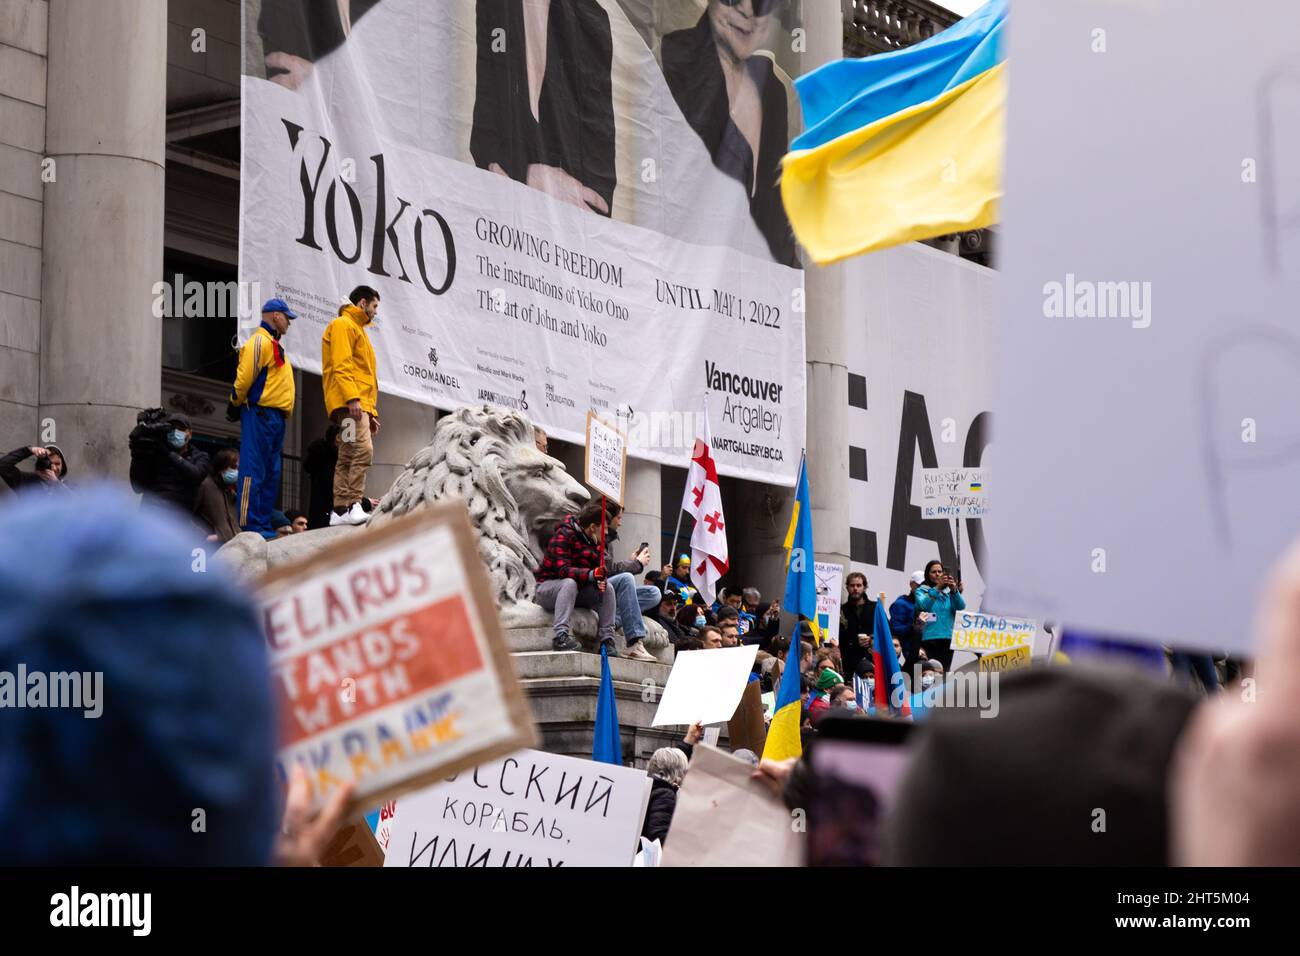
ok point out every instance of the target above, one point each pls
(516, 495)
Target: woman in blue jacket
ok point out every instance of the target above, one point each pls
(940, 597)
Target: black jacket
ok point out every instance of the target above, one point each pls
(19, 480)
(659, 811)
(855, 619)
(694, 75)
(166, 475)
(675, 633)
(575, 125)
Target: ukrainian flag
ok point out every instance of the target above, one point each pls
(901, 146)
(800, 599)
(783, 740)
(800, 580)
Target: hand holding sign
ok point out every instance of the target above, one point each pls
(1235, 777)
(302, 841)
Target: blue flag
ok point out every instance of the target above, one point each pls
(607, 747)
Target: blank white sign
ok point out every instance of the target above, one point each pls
(1149, 350)
(705, 685)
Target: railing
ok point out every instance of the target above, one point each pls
(876, 26)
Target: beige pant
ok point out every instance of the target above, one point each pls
(354, 458)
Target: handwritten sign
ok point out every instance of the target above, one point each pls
(1011, 660)
(388, 661)
(988, 633)
(529, 809)
(606, 462)
(830, 581)
(954, 493)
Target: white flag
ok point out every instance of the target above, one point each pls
(703, 502)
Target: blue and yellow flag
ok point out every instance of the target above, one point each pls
(783, 739)
(800, 581)
(903, 145)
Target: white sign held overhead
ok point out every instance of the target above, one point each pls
(989, 633)
(605, 464)
(830, 583)
(705, 686)
(954, 493)
(1148, 388)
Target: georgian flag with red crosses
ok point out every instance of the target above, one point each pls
(703, 502)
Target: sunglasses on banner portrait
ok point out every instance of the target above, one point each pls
(761, 8)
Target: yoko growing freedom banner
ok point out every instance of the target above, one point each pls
(565, 207)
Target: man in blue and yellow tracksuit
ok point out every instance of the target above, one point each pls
(262, 399)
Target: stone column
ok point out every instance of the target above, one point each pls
(641, 513)
(405, 428)
(23, 48)
(827, 345)
(101, 346)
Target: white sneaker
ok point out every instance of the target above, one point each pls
(354, 515)
(637, 652)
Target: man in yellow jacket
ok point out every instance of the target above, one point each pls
(351, 396)
(262, 401)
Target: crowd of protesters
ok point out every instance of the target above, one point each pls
(56, 618)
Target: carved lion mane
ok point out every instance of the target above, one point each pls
(486, 455)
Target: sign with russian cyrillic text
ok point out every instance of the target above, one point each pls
(528, 809)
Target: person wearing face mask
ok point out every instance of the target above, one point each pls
(218, 507)
(843, 698)
(693, 618)
(165, 469)
(931, 674)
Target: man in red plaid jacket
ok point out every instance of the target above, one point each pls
(571, 574)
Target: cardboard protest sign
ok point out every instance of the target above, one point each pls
(954, 493)
(986, 633)
(353, 845)
(605, 465)
(725, 818)
(746, 729)
(1011, 660)
(388, 662)
(705, 686)
(830, 582)
(529, 809)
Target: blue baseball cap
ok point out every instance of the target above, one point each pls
(279, 305)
